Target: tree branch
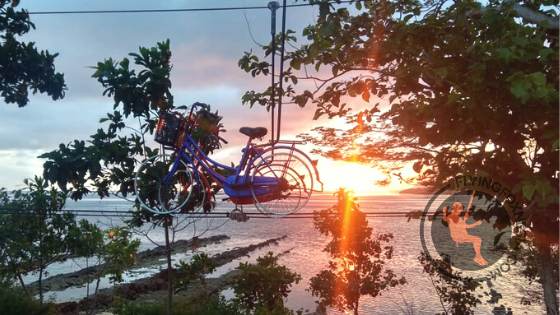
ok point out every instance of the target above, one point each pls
(546, 21)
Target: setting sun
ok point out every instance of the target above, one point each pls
(359, 178)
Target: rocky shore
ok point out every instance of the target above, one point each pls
(153, 288)
(145, 258)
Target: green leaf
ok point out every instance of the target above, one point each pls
(358, 5)
(528, 190)
(505, 54)
(520, 89)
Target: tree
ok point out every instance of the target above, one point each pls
(87, 242)
(114, 251)
(358, 258)
(446, 87)
(196, 269)
(118, 253)
(34, 233)
(23, 67)
(140, 88)
(261, 288)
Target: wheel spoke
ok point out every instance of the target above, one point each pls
(293, 194)
(158, 198)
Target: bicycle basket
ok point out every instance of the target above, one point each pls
(208, 122)
(170, 128)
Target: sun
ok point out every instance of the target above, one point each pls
(359, 178)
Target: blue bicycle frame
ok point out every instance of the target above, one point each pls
(236, 185)
(239, 186)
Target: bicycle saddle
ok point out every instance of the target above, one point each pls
(257, 132)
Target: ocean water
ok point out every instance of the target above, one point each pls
(304, 254)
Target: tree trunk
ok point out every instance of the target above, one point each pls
(41, 285)
(97, 283)
(88, 279)
(23, 284)
(41, 260)
(169, 267)
(547, 280)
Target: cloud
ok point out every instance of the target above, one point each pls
(44, 124)
(205, 45)
(198, 65)
(16, 165)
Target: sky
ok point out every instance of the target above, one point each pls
(205, 49)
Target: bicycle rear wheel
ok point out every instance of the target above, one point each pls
(293, 159)
(278, 189)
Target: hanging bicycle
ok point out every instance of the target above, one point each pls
(276, 177)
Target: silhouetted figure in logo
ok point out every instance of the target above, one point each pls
(458, 229)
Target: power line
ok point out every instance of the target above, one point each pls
(215, 215)
(207, 9)
(214, 212)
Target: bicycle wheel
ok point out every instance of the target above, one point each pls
(278, 189)
(293, 159)
(163, 198)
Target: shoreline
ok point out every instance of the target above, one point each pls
(147, 288)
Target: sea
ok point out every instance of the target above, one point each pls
(303, 252)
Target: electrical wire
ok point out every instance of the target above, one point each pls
(294, 5)
(250, 30)
(213, 215)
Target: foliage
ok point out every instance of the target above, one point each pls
(15, 302)
(471, 88)
(139, 89)
(86, 239)
(119, 252)
(456, 293)
(23, 67)
(114, 250)
(260, 288)
(34, 233)
(139, 92)
(358, 258)
(211, 306)
(196, 269)
(523, 250)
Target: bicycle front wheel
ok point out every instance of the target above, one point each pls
(160, 191)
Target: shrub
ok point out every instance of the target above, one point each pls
(14, 302)
(213, 305)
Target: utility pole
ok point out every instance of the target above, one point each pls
(273, 6)
(281, 77)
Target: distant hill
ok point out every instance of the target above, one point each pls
(420, 190)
